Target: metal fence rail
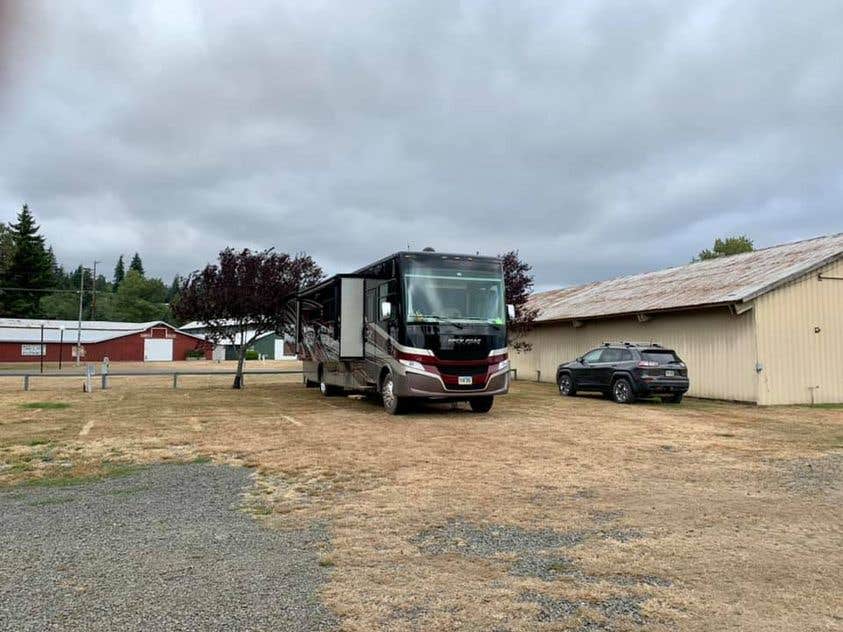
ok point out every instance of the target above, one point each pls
(28, 375)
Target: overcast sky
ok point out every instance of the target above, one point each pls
(598, 138)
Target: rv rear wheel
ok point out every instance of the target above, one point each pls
(327, 389)
(481, 404)
(392, 403)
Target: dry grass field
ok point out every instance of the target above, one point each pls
(547, 513)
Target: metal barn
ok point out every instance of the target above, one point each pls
(271, 346)
(26, 340)
(763, 327)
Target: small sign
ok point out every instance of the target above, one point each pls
(465, 380)
(33, 350)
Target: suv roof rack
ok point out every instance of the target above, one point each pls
(628, 343)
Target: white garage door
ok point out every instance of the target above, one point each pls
(157, 350)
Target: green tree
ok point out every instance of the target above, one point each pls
(726, 247)
(119, 273)
(30, 268)
(173, 292)
(138, 299)
(136, 264)
(7, 249)
(61, 305)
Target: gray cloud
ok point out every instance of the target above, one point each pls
(599, 138)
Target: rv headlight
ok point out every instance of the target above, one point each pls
(412, 364)
(503, 365)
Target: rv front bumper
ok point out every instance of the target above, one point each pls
(415, 383)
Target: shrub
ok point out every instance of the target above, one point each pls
(251, 354)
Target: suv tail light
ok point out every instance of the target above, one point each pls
(647, 364)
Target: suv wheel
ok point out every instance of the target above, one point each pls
(392, 403)
(566, 385)
(622, 391)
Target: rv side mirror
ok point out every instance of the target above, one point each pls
(510, 311)
(386, 310)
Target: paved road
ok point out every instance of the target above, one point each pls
(164, 548)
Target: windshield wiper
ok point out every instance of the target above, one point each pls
(438, 319)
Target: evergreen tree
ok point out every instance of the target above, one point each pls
(175, 286)
(7, 249)
(31, 268)
(119, 273)
(136, 264)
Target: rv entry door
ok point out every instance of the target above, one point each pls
(351, 318)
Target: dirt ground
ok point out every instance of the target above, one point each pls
(546, 513)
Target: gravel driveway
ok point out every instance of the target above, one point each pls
(164, 548)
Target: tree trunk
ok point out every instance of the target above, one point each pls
(241, 356)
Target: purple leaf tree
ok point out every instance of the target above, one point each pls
(245, 296)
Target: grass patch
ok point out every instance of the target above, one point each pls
(202, 459)
(46, 405)
(36, 442)
(327, 562)
(71, 480)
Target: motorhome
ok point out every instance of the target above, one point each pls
(414, 325)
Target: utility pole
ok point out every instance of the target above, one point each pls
(79, 329)
(94, 291)
(61, 345)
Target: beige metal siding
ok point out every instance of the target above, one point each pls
(718, 347)
(794, 357)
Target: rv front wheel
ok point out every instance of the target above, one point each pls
(392, 403)
(481, 404)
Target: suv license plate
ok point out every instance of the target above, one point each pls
(465, 380)
(669, 373)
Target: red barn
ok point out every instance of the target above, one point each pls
(20, 341)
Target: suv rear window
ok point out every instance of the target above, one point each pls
(660, 356)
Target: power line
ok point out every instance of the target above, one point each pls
(32, 289)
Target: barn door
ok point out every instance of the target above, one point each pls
(158, 349)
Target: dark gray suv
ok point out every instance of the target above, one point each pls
(626, 371)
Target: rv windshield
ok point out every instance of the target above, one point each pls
(437, 295)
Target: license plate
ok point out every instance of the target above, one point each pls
(465, 380)
(669, 373)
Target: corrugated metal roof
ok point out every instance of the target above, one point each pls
(734, 279)
(235, 338)
(198, 324)
(26, 330)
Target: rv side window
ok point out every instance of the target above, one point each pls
(372, 306)
(386, 292)
(329, 317)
